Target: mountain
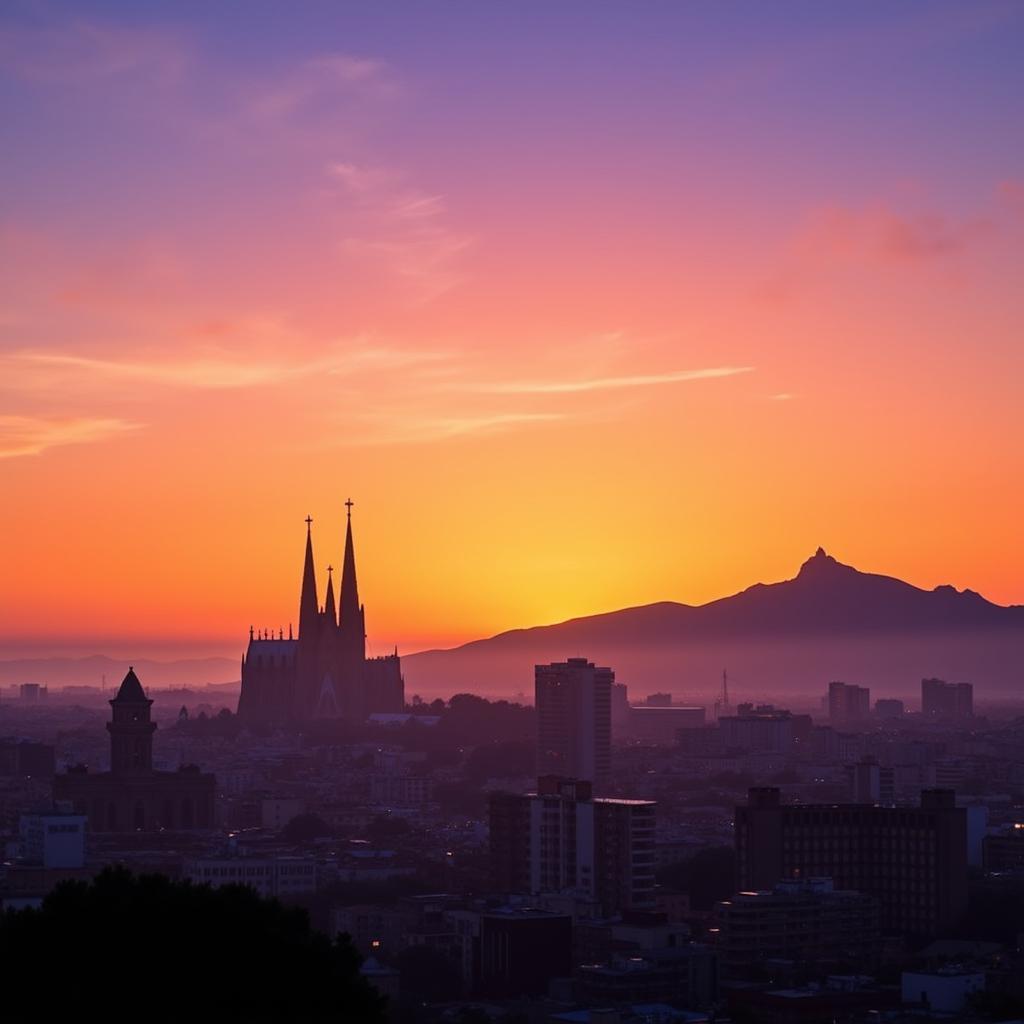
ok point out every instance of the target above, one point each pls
(90, 671)
(829, 622)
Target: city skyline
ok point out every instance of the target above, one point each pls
(511, 511)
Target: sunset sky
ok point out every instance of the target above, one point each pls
(585, 305)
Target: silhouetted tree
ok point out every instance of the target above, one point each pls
(125, 948)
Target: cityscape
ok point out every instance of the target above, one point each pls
(664, 663)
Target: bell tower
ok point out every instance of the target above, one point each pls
(130, 728)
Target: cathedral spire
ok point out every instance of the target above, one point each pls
(350, 617)
(329, 610)
(308, 607)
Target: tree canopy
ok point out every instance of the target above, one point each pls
(126, 947)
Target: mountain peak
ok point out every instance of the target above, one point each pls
(820, 562)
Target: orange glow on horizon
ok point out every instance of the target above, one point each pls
(565, 358)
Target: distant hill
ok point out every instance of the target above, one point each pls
(90, 671)
(829, 622)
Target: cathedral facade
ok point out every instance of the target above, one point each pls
(324, 672)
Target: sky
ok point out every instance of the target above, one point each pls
(583, 305)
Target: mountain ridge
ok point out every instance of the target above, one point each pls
(824, 609)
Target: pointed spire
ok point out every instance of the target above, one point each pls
(349, 616)
(329, 610)
(308, 607)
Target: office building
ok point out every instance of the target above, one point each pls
(563, 840)
(522, 950)
(651, 723)
(53, 839)
(848, 703)
(1003, 849)
(574, 729)
(888, 708)
(940, 699)
(806, 920)
(913, 859)
(764, 729)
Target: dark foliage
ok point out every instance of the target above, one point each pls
(501, 759)
(147, 948)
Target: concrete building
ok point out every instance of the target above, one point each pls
(806, 920)
(848, 703)
(521, 951)
(562, 839)
(1003, 850)
(269, 876)
(574, 729)
(889, 709)
(682, 976)
(21, 758)
(866, 781)
(53, 839)
(620, 709)
(661, 724)
(764, 729)
(401, 790)
(913, 859)
(940, 699)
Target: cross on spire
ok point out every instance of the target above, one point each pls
(330, 568)
(348, 505)
(309, 522)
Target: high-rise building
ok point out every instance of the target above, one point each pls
(848, 703)
(913, 859)
(940, 699)
(324, 672)
(563, 840)
(574, 726)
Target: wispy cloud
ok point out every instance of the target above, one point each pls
(83, 51)
(33, 435)
(323, 78)
(562, 387)
(220, 371)
(403, 428)
(405, 228)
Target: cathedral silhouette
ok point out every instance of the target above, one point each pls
(324, 673)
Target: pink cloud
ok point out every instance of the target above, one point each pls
(879, 233)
